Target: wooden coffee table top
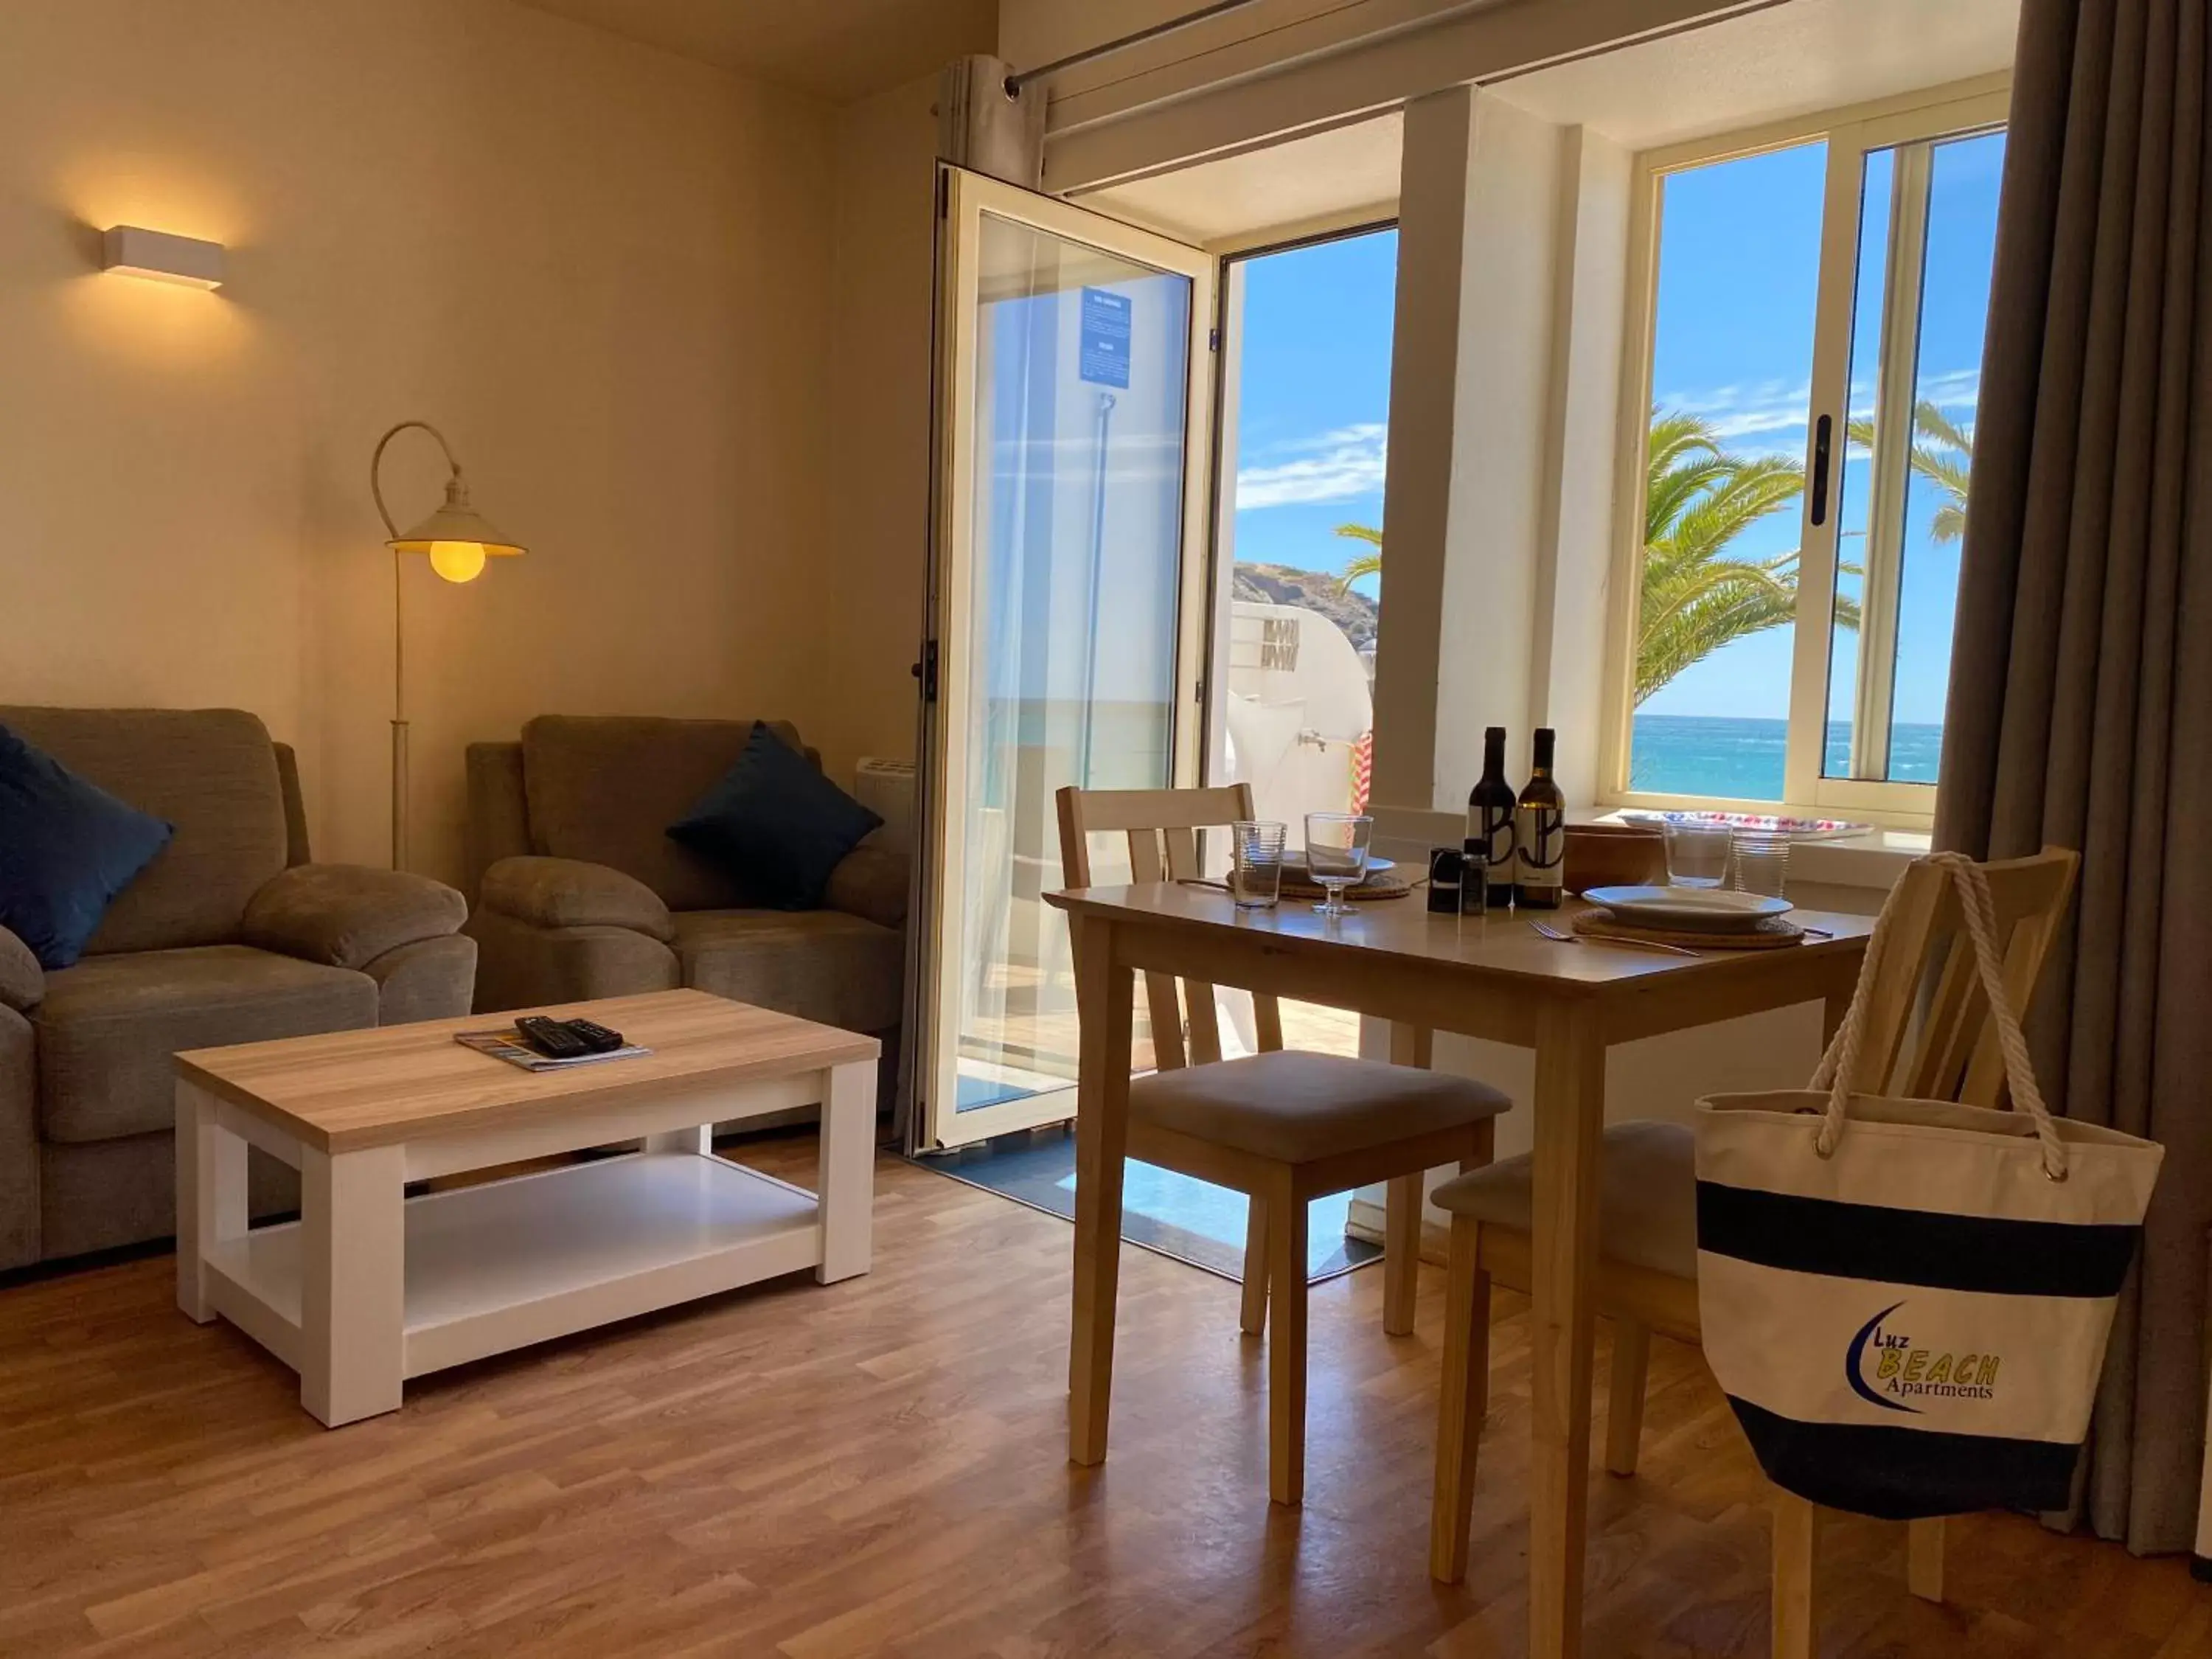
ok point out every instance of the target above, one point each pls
(348, 1089)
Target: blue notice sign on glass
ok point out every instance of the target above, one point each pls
(1105, 355)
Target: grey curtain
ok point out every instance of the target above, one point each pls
(2080, 704)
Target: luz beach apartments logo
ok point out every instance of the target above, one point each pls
(1883, 1366)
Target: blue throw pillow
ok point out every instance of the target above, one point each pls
(67, 848)
(775, 824)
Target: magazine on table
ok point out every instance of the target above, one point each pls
(508, 1045)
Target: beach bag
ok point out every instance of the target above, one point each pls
(1906, 1301)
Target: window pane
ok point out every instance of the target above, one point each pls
(1731, 377)
(1927, 229)
(1309, 354)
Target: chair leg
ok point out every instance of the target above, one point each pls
(1795, 1520)
(1401, 1253)
(1286, 1348)
(1253, 1318)
(1923, 1559)
(1462, 1401)
(1624, 1419)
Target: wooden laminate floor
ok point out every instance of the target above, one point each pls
(877, 1469)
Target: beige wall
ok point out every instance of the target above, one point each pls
(604, 271)
(880, 398)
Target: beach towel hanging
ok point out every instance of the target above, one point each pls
(1906, 1301)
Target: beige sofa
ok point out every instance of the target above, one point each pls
(580, 893)
(231, 935)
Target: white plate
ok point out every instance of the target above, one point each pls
(1688, 906)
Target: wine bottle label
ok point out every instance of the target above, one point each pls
(1542, 833)
(1498, 837)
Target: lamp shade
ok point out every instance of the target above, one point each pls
(458, 538)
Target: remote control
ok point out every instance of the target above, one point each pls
(552, 1038)
(597, 1038)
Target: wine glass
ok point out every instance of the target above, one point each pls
(1336, 855)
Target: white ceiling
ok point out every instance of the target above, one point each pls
(1768, 65)
(837, 50)
(1792, 59)
(1319, 177)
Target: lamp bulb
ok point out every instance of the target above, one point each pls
(457, 561)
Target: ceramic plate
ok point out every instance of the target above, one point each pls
(1688, 906)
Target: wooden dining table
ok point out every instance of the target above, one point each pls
(1489, 976)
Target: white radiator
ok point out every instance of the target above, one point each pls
(886, 787)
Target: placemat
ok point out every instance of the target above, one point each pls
(1379, 885)
(1770, 933)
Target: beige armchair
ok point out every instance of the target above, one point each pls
(231, 935)
(580, 894)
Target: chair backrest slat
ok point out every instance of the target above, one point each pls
(1928, 1034)
(1161, 826)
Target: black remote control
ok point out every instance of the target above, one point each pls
(597, 1038)
(552, 1038)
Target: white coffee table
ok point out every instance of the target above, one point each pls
(370, 1287)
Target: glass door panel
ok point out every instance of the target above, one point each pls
(1059, 599)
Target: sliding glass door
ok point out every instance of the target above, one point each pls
(1067, 613)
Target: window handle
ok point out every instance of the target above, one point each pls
(1823, 430)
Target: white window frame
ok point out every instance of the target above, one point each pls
(1955, 110)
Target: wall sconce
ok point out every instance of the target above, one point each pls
(135, 252)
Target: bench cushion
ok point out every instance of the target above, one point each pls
(108, 1026)
(1648, 1193)
(1300, 1108)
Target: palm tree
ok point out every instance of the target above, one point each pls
(1697, 498)
(1942, 453)
(1363, 564)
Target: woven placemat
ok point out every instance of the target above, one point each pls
(1379, 885)
(1770, 933)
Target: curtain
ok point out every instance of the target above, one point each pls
(2080, 701)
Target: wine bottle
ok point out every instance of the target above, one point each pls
(1541, 833)
(1490, 807)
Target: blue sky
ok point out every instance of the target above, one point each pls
(1739, 271)
(1316, 399)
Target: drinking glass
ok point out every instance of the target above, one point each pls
(1256, 875)
(1697, 854)
(1336, 855)
(1762, 862)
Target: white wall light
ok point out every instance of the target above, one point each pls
(135, 252)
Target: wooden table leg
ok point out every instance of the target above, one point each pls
(210, 1195)
(1105, 995)
(1570, 1117)
(1410, 1045)
(353, 1313)
(846, 1181)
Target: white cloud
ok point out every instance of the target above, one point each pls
(1332, 466)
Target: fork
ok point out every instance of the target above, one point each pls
(1557, 937)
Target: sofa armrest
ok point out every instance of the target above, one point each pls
(572, 893)
(349, 914)
(871, 883)
(22, 982)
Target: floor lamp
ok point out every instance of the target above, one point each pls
(457, 540)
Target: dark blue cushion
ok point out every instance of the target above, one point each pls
(67, 848)
(775, 824)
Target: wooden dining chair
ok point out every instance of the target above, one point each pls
(1928, 1035)
(1283, 1127)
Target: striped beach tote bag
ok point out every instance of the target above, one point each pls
(1906, 1301)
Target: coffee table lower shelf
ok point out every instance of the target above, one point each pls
(511, 1262)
